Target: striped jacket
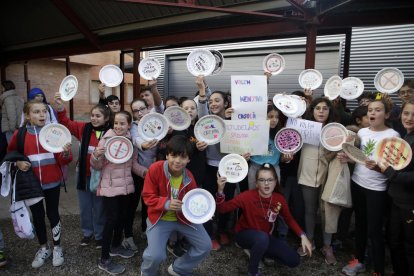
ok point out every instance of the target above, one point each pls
(44, 164)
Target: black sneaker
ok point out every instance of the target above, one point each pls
(110, 267)
(86, 241)
(98, 244)
(121, 252)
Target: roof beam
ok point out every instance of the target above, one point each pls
(334, 7)
(297, 6)
(77, 22)
(209, 8)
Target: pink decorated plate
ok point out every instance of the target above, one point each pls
(288, 140)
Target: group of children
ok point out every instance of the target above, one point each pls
(162, 172)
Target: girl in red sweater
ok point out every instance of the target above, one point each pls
(45, 165)
(261, 207)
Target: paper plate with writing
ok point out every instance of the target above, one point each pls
(288, 140)
(111, 75)
(394, 151)
(149, 68)
(68, 88)
(201, 62)
(288, 105)
(310, 79)
(333, 135)
(333, 87)
(153, 126)
(354, 153)
(389, 80)
(274, 64)
(198, 206)
(219, 62)
(234, 167)
(53, 137)
(352, 88)
(177, 117)
(119, 149)
(210, 129)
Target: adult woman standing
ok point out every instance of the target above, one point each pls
(11, 108)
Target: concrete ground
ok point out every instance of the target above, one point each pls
(79, 260)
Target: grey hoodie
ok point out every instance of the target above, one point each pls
(11, 109)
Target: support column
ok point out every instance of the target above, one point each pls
(26, 79)
(136, 78)
(311, 33)
(347, 53)
(122, 85)
(71, 111)
(3, 72)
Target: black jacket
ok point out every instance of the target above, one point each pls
(401, 187)
(27, 184)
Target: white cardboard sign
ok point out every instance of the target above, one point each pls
(249, 97)
(245, 136)
(310, 130)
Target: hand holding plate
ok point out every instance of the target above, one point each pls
(201, 145)
(66, 149)
(99, 151)
(228, 112)
(201, 85)
(58, 103)
(286, 157)
(370, 164)
(149, 144)
(101, 89)
(246, 156)
(221, 182)
(175, 205)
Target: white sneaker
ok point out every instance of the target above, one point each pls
(58, 256)
(129, 243)
(41, 255)
(171, 271)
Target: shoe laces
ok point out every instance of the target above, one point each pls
(353, 262)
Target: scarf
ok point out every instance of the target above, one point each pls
(83, 151)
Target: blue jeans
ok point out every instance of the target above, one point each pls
(91, 213)
(158, 235)
(1, 241)
(262, 244)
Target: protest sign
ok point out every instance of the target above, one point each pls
(243, 136)
(249, 97)
(310, 130)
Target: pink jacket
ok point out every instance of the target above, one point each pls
(116, 179)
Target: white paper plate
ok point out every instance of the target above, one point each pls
(198, 206)
(68, 88)
(352, 88)
(288, 105)
(310, 79)
(177, 117)
(201, 62)
(119, 149)
(210, 129)
(394, 151)
(288, 140)
(301, 107)
(53, 137)
(274, 64)
(219, 62)
(389, 80)
(333, 135)
(153, 126)
(149, 68)
(333, 87)
(354, 153)
(111, 75)
(234, 167)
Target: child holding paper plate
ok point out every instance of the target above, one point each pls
(115, 186)
(261, 207)
(46, 168)
(369, 192)
(401, 226)
(91, 206)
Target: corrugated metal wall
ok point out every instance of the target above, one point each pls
(375, 48)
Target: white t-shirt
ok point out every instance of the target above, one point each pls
(364, 177)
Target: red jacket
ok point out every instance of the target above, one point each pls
(76, 129)
(255, 209)
(157, 191)
(45, 164)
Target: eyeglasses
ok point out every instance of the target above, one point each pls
(265, 181)
(140, 110)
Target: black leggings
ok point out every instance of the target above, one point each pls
(133, 201)
(115, 212)
(369, 208)
(52, 210)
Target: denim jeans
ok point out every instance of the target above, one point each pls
(91, 213)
